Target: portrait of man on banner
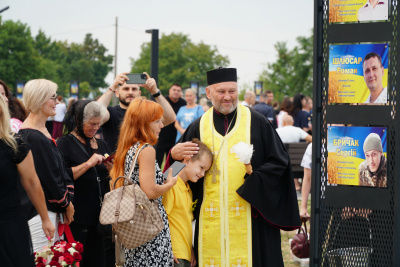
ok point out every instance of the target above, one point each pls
(373, 73)
(372, 171)
(358, 10)
(357, 156)
(358, 73)
(374, 10)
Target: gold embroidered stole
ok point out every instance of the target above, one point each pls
(225, 218)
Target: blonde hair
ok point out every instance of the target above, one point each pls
(36, 92)
(191, 90)
(5, 130)
(203, 101)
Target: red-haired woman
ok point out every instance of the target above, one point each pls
(142, 124)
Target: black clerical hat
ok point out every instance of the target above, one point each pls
(221, 75)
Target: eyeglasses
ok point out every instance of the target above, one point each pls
(54, 97)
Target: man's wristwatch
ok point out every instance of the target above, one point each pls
(157, 94)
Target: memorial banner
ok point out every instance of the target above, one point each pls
(19, 89)
(357, 10)
(357, 156)
(74, 89)
(347, 81)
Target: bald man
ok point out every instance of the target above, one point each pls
(249, 99)
(291, 134)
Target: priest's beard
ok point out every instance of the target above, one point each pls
(223, 110)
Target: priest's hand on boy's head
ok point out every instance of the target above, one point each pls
(182, 150)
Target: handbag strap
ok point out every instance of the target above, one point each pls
(119, 198)
(301, 228)
(127, 179)
(94, 168)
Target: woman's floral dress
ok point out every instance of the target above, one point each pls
(158, 251)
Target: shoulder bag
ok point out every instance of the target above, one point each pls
(135, 219)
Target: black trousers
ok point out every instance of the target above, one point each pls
(93, 244)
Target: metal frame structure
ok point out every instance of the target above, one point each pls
(329, 203)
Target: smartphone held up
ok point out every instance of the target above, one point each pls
(136, 78)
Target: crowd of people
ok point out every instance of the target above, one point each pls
(55, 150)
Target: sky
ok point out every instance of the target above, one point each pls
(245, 31)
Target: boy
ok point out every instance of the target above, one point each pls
(178, 205)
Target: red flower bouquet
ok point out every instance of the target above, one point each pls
(61, 253)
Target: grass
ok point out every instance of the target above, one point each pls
(285, 236)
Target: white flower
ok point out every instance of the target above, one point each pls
(64, 263)
(72, 250)
(243, 152)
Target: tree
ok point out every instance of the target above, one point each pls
(180, 61)
(85, 62)
(19, 60)
(23, 57)
(292, 71)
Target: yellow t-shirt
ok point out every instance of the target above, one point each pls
(178, 205)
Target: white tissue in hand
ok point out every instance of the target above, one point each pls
(243, 151)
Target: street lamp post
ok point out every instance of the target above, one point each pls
(154, 53)
(4, 9)
(195, 85)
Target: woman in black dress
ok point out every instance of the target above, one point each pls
(83, 157)
(16, 160)
(40, 99)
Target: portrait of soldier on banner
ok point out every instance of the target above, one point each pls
(372, 171)
(357, 156)
(358, 73)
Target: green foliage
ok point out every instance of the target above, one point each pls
(19, 58)
(26, 58)
(292, 72)
(180, 61)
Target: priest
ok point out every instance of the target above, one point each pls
(239, 216)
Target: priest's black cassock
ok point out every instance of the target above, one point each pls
(270, 189)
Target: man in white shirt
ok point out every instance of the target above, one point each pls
(249, 99)
(373, 10)
(373, 72)
(291, 134)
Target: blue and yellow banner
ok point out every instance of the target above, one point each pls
(346, 80)
(357, 10)
(345, 152)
